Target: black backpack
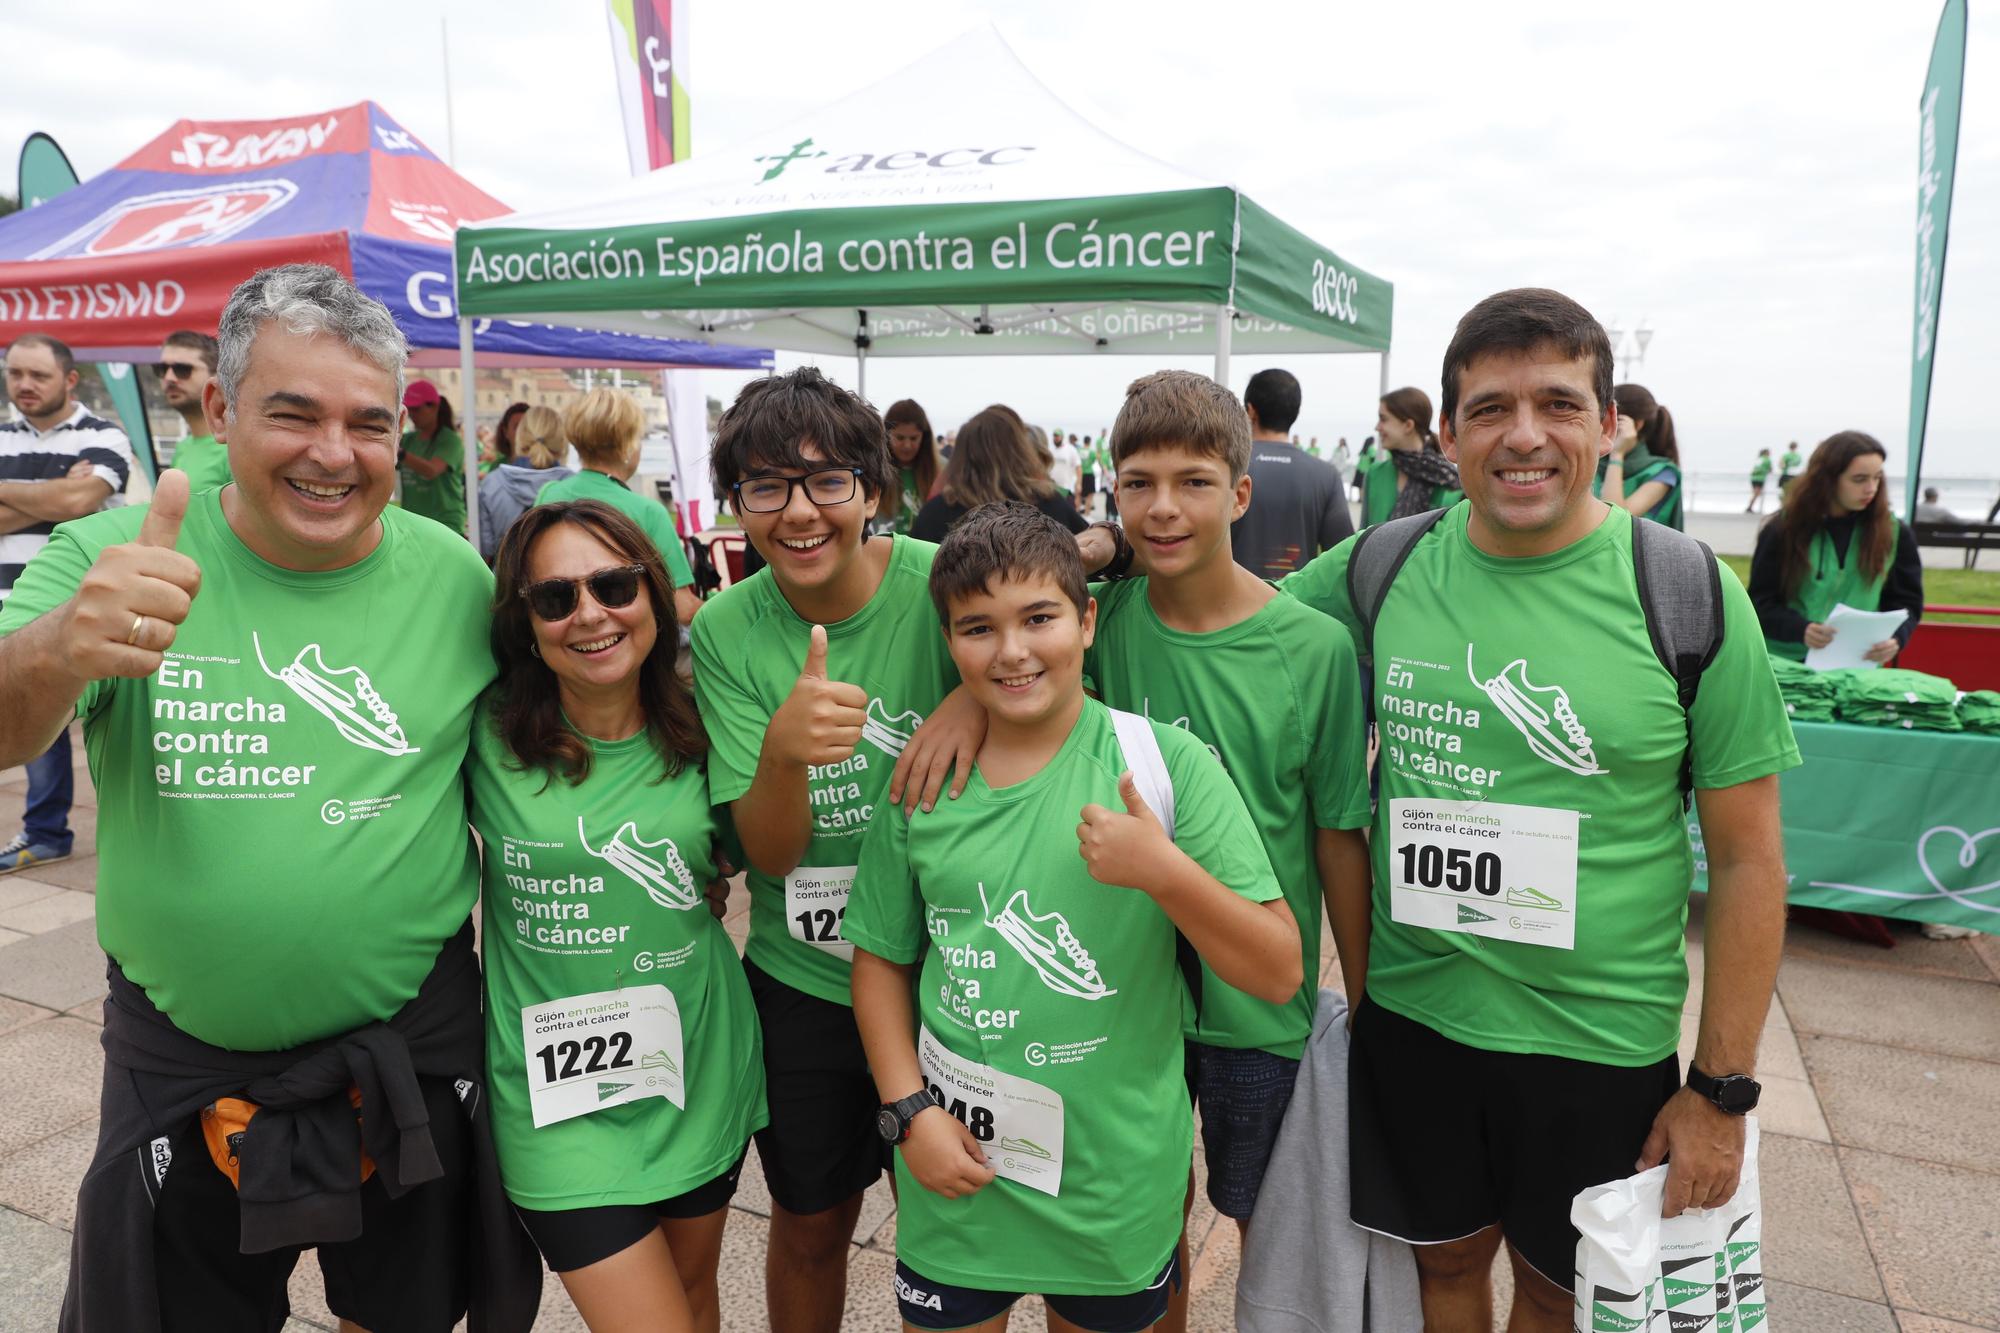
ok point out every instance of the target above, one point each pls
(1679, 583)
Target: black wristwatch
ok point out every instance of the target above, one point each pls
(892, 1122)
(1733, 1094)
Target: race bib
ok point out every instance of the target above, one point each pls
(588, 1052)
(1017, 1123)
(816, 905)
(1480, 868)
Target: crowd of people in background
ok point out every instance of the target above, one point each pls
(883, 723)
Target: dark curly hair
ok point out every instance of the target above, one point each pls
(527, 709)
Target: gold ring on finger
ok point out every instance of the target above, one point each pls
(138, 624)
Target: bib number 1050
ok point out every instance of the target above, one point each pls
(1456, 868)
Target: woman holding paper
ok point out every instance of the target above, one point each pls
(1835, 543)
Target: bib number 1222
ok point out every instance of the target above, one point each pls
(1455, 868)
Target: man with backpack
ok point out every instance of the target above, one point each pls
(1551, 678)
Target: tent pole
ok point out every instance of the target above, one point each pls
(469, 426)
(861, 344)
(1225, 320)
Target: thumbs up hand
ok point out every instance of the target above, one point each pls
(820, 721)
(1128, 850)
(130, 602)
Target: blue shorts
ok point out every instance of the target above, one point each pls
(1243, 1095)
(939, 1305)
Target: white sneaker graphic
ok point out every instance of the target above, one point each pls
(884, 732)
(678, 893)
(1554, 733)
(321, 686)
(1057, 956)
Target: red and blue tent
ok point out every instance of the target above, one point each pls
(158, 242)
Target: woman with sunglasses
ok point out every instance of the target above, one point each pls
(623, 1050)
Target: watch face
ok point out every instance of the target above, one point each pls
(889, 1125)
(1739, 1095)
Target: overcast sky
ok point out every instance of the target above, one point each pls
(1739, 175)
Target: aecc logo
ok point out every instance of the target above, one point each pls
(1333, 292)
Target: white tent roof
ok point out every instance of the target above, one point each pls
(994, 219)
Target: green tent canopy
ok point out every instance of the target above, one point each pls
(992, 219)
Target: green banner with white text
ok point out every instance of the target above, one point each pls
(1937, 163)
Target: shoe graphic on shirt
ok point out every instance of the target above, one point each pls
(1525, 897)
(344, 695)
(1026, 1147)
(678, 893)
(1542, 714)
(659, 1060)
(889, 734)
(1049, 946)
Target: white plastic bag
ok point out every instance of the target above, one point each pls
(1701, 1272)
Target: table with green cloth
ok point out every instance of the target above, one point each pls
(1891, 823)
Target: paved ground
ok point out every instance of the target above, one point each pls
(1881, 1156)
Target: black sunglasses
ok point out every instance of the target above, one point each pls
(178, 369)
(555, 599)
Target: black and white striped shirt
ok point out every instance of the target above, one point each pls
(27, 454)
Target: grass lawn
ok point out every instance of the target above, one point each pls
(1942, 587)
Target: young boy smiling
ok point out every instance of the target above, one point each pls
(810, 676)
(1271, 686)
(1033, 1077)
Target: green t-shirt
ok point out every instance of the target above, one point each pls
(1830, 579)
(596, 891)
(1790, 462)
(205, 461)
(644, 510)
(1277, 698)
(1543, 792)
(441, 497)
(1760, 469)
(281, 826)
(748, 647)
(1033, 971)
(1378, 492)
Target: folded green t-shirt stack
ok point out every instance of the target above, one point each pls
(1980, 711)
(1890, 697)
(1810, 696)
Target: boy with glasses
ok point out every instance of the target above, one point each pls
(811, 675)
(187, 360)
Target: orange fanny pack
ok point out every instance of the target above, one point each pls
(225, 1120)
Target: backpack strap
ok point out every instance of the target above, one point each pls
(1680, 590)
(1148, 765)
(1377, 557)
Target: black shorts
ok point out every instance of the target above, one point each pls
(573, 1238)
(939, 1305)
(1242, 1095)
(1445, 1140)
(821, 1147)
(405, 1273)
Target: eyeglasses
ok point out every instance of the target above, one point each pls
(768, 495)
(555, 599)
(177, 369)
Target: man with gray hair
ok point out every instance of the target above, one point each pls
(276, 681)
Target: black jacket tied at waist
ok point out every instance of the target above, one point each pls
(299, 1160)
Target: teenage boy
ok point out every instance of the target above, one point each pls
(1271, 686)
(1033, 1077)
(811, 675)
